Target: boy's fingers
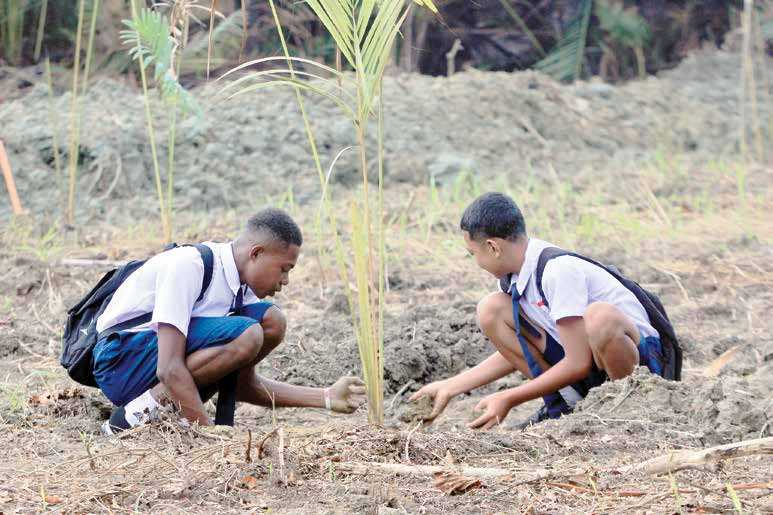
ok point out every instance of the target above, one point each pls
(491, 423)
(436, 409)
(418, 394)
(475, 424)
(356, 389)
(356, 380)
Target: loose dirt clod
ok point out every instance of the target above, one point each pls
(419, 410)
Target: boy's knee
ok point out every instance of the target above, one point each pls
(491, 310)
(612, 338)
(602, 321)
(274, 325)
(248, 344)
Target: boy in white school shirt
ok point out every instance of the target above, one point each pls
(190, 344)
(586, 329)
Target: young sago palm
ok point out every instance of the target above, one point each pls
(364, 32)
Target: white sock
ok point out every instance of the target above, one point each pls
(141, 409)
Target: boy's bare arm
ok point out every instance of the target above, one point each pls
(176, 377)
(487, 371)
(574, 367)
(492, 368)
(346, 394)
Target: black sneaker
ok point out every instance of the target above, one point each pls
(535, 418)
(116, 423)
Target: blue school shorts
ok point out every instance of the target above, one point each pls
(124, 363)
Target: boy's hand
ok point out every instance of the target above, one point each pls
(347, 394)
(495, 407)
(440, 392)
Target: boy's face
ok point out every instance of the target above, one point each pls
(268, 268)
(487, 254)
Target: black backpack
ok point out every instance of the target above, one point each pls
(80, 333)
(672, 352)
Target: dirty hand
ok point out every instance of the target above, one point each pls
(495, 408)
(440, 392)
(347, 394)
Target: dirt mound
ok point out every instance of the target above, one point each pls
(474, 121)
(706, 411)
(423, 344)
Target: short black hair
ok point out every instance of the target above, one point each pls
(278, 223)
(493, 215)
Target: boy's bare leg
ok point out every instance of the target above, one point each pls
(495, 318)
(346, 395)
(207, 366)
(613, 339)
(274, 326)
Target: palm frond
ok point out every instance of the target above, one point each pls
(564, 62)
(149, 36)
(364, 32)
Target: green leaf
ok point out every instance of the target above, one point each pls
(623, 25)
(148, 36)
(564, 62)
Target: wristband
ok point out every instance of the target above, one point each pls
(327, 398)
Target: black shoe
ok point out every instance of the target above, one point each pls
(535, 418)
(116, 423)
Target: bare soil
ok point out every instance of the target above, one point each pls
(489, 124)
(705, 248)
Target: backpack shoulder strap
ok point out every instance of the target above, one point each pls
(208, 259)
(546, 255)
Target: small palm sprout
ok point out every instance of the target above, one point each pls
(364, 32)
(151, 40)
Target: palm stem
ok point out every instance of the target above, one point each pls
(151, 132)
(73, 149)
(41, 29)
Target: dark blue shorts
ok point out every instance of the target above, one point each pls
(124, 363)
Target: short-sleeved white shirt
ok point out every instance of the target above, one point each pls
(168, 285)
(571, 285)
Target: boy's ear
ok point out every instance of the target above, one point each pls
(494, 247)
(256, 250)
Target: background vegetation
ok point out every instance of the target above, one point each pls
(568, 38)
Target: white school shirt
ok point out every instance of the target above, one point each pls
(571, 285)
(168, 285)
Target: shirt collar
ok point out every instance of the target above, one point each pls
(229, 267)
(534, 248)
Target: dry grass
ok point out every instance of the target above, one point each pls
(710, 261)
(166, 468)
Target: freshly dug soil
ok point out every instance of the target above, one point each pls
(708, 411)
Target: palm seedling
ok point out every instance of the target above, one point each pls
(364, 32)
(625, 27)
(12, 14)
(76, 104)
(565, 61)
(153, 41)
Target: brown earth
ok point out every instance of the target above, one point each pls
(50, 427)
(703, 244)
